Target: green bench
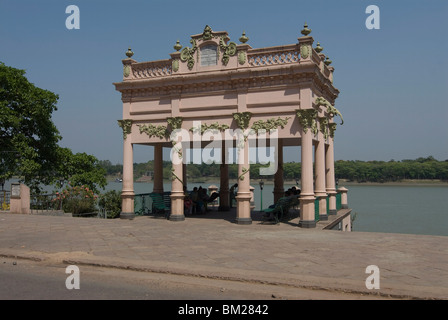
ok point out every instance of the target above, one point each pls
(280, 209)
(158, 204)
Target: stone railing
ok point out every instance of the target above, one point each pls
(273, 56)
(152, 69)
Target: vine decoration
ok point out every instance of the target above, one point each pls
(307, 119)
(175, 123)
(270, 124)
(154, 131)
(174, 176)
(125, 125)
(244, 171)
(332, 111)
(214, 126)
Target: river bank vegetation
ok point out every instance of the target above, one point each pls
(350, 170)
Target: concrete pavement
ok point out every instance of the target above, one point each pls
(212, 246)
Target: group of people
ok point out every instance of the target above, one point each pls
(197, 200)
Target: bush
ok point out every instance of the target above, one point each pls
(77, 200)
(111, 202)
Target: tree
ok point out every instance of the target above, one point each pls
(29, 139)
(28, 144)
(80, 169)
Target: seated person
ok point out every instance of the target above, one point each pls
(213, 196)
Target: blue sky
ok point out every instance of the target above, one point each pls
(392, 80)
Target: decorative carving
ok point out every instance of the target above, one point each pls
(154, 131)
(152, 69)
(207, 34)
(323, 122)
(241, 57)
(275, 57)
(270, 124)
(307, 119)
(332, 128)
(177, 46)
(175, 65)
(126, 125)
(305, 51)
(243, 38)
(129, 53)
(126, 70)
(187, 54)
(305, 31)
(242, 119)
(228, 50)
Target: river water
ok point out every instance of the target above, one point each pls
(413, 209)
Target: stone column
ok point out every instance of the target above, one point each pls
(243, 196)
(307, 193)
(320, 191)
(177, 192)
(224, 200)
(158, 169)
(344, 202)
(127, 193)
(330, 181)
(279, 190)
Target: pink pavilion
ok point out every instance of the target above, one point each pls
(287, 91)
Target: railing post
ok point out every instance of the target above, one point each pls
(344, 203)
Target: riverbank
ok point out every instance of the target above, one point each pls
(291, 182)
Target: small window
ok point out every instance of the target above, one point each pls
(209, 55)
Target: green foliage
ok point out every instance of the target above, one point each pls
(77, 199)
(28, 144)
(360, 171)
(29, 140)
(81, 169)
(381, 171)
(111, 202)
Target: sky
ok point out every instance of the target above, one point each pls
(392, 80)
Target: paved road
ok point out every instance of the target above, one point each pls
(31, 280)
(212, 247)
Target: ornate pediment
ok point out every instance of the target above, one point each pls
(207, 44)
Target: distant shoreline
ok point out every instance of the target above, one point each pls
(342, 182)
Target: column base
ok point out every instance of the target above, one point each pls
(344, 206)
(176, 217)
(307, 224)
(323, 217)
(243, 220)
(127, 215)
(332, 211)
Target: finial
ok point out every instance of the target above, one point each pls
(129, 53)
(177, 46)
(305, 30)
(318, 48)
(243, 38)
(327, 61)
